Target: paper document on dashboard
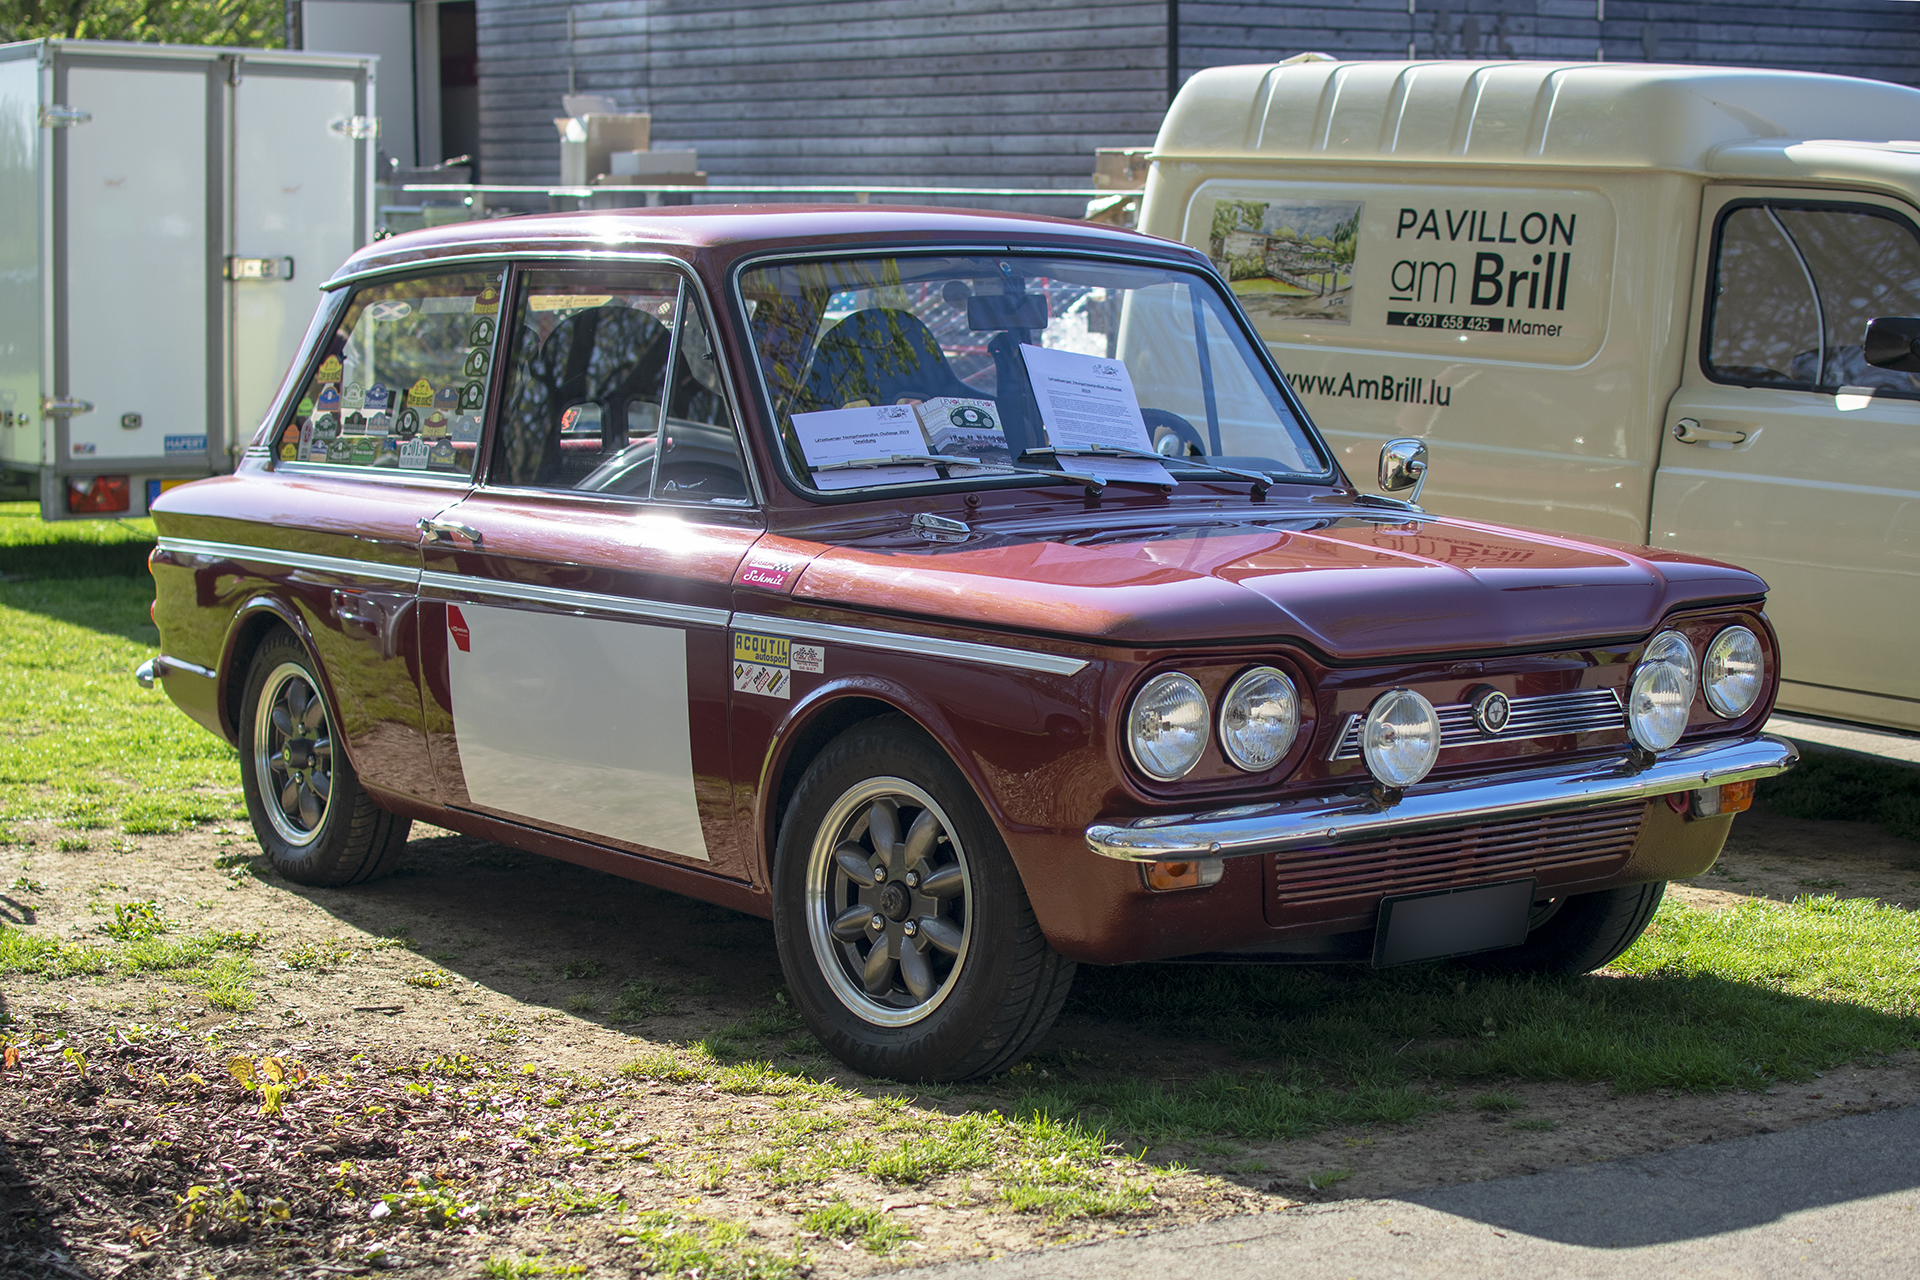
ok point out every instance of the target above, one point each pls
(875, 431)
(1088, 400)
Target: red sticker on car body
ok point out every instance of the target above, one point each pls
(772, 568)
(457, 628)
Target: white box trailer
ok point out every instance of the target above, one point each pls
(165, 215)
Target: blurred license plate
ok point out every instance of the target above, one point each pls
(1452, 922)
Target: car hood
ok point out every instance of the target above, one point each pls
(1354, 586)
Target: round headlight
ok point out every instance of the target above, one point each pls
(1662, 692)
(1167, 728)
(1259, 718)
(1731, 674)
(1401, 738)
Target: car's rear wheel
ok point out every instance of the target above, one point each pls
(903, 928)
(1581, 933)
(313, 819)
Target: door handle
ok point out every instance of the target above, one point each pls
(438, 530)
(1689, 431)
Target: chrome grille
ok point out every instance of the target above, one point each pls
(1582, 711)
(1560, 848)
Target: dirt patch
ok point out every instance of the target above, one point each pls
(450, 1045)
(1778, 858)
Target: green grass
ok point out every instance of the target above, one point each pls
(1828, 785)
(680, 1243)
(85, 746)
(1741, 998)
(37, 548)
(875, 1231)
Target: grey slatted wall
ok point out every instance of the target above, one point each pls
(967, 92)
(1879, 39)
(1020, 92)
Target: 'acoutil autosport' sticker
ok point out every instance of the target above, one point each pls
(765, 664)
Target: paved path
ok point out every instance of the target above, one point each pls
(1836, 1199)
(1852, 739)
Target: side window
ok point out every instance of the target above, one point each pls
(612, 388)
(402, 382)
(1794, 287)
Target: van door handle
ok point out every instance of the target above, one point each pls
(438, 530)
(1689, 431)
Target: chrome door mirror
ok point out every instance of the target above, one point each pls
(1403, 465)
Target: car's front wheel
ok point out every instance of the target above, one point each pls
(313, 819)
(1580, 933)
(903, 928)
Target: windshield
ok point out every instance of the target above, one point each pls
(880, 369)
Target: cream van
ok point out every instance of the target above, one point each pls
(1625, 301)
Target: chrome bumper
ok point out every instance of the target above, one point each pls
(149, 672)
(1327, 822)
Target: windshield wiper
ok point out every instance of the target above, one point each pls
(1093, 483)
(1260, 480)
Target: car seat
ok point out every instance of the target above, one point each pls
(880, 356)
(612, 357)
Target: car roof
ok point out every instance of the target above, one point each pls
(731, 231)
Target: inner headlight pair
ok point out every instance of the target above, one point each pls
(1663, 684)
(1167, 728)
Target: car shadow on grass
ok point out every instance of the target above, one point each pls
(1200, 1057)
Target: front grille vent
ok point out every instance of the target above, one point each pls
(1547, 716)
(1561, 848)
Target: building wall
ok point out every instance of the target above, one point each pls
(1020, 92)
(967, 92)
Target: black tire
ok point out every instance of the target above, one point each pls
(986, 986)
(1581, 933)
(310, 814)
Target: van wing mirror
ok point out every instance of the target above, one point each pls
(1893, 342)
(1403, 465)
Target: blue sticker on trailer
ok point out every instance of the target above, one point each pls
(186, 444)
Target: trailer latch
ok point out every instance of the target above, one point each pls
(62, 407)
(56, 117)
(356, 127)
(259, 268)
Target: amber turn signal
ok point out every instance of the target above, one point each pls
(1722, 801)
(1736, 797)
(1183, 875)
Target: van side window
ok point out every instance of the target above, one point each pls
(1794, 287)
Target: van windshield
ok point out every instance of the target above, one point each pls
(882, 369)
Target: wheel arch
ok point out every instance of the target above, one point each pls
(253, 622)
(817, 721)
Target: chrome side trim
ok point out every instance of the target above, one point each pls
(1546, 716)
(456, 587)
(183, 666)
(1328, 822)
(293, 560)
(901, 642)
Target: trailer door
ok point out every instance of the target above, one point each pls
(299, 208)
(135, 248)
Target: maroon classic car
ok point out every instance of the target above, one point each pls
(967, 593)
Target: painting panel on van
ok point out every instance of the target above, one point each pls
(1288, 258)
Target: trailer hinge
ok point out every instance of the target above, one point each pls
(356, 127)
(233, 67)
(259, 268)
(63, 407)
(56, 117)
